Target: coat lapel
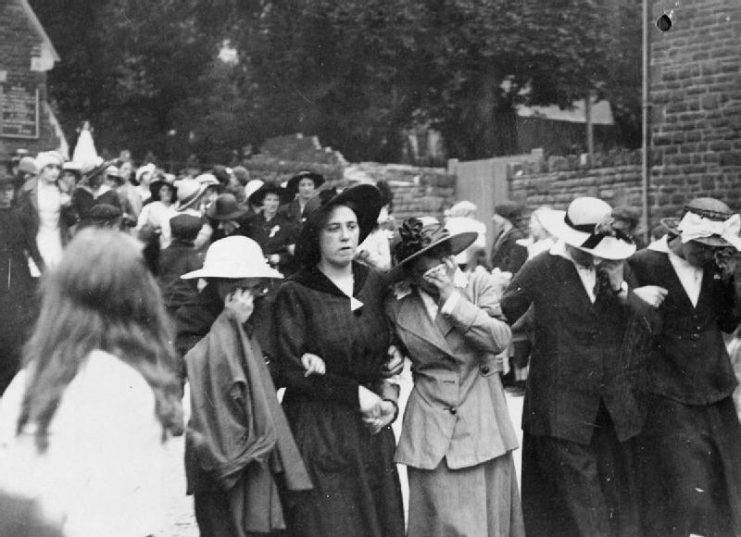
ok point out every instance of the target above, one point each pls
(414, 319)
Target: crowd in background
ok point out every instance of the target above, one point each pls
(128, 288)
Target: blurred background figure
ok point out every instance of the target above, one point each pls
(301, 188)
(17, 291)
(375, 249)
(539, 240)
(506, 254)
(84, 425)
(462, 219)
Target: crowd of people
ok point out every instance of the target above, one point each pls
(129, 291)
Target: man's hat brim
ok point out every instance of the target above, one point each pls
(610, 248)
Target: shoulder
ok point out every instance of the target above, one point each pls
(647, 257)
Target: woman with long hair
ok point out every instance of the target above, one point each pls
(332, 308)
(84, 424)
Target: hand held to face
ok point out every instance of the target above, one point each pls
(240, 304)
(441, 277)
(615, 272)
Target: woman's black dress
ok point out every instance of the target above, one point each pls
(356, 484)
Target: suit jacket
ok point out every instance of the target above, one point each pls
(457, 408)
(689, 361)
(506, 254)
(579, 356)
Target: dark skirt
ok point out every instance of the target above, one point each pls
(690, 459)
(356, 484)
(575, 490)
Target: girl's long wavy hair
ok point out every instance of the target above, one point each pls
(101, 296)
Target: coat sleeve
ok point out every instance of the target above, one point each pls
(520, 293)
(292, 335)
(476, 320)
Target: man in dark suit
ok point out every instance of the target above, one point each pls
(506, 254)
(581, 406)
(690, 448)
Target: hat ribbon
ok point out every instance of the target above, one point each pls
(694, 226)
(597, 232)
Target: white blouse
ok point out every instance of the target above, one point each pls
(102, 472)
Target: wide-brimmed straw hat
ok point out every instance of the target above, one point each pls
(225, 207)
(293, 182)
(418, 236)
(587, 226)
(234, 258)
(708, 221)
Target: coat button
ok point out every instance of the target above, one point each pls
(485, 370)
(453, 410)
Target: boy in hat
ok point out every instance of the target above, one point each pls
(581, 408)
(691, 443)
(177, 259)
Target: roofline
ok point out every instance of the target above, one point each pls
(39, 28)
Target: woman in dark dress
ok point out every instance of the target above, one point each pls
(333, 308)
(271, 229)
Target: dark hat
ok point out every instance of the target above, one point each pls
(365, 200)
(510, 210)
(417, 236)
(258, 196)
(293, 182)
(156, 186)
(222, 173)
(103, 214)
(185, 227)
(225, 207)
(242, 174)
(709, 209)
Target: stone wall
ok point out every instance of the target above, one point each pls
(696, 104)
(19, 43)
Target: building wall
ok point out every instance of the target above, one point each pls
(696, 103)
(19, 42)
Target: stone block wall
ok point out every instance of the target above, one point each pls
(19, 42)
(695, 96)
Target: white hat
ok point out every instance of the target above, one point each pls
(46, 158)
(234, 258)
(208, 179)
(189, 192)
(251, 187)
(586, 225)
(147, 168)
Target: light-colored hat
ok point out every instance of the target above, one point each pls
(189, 191)
(708, 221)
(28, 165)
(587, 225)
(113, 171)
(147, 168)
(208, 179)
(46, 158)
(251, 187)
(234, 258)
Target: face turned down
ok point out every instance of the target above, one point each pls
(338, 238)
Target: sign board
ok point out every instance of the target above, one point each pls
(19, 112)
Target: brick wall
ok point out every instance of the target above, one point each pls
(696, 104)
(18, 43)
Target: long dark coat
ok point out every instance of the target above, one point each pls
(357, 490)
(690, 448)
(17, 289)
